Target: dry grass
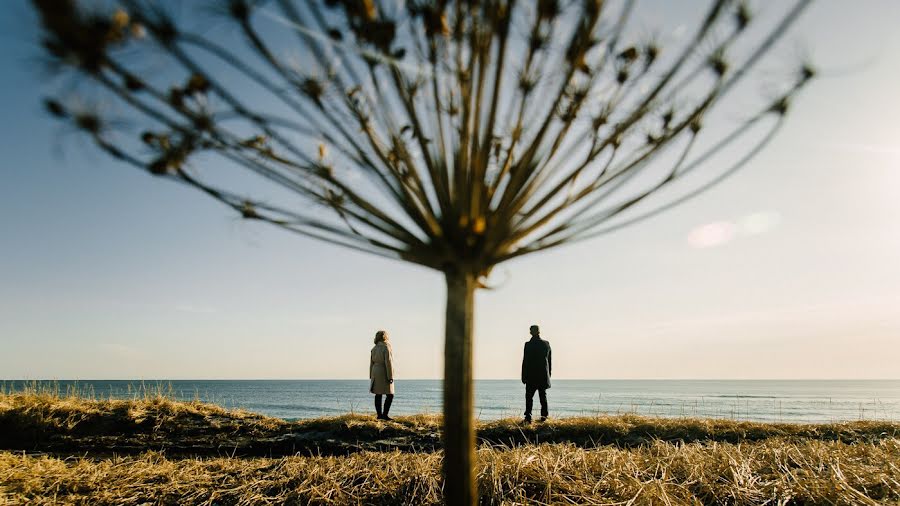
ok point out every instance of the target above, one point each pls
(33, 419)
(605, 460)
(45, 410)
(774, 472)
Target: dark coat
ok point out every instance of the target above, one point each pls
(537, 365)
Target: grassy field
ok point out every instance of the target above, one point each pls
(154, 450)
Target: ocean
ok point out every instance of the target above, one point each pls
(755, 400)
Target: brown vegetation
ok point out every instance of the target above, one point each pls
(776, 471)
(47, 422)
(89, 451)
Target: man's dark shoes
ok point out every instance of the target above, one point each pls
(527, 420)
(543, 418)
(386, 418)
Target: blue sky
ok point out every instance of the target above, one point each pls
(788, 270)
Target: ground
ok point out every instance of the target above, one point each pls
(61, 449)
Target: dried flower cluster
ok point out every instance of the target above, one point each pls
(442, 132)
(453, 134)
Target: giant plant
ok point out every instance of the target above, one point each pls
(453, 134)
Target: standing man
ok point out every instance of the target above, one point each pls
(536, 370)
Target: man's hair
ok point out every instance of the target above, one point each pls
(534, 328)
(381, 336)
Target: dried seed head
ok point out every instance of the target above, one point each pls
(696, 125)
(197, 83)
(138, 31)
(479, 225)
(203, 122)
(369, 9)
(742, 16)
(628, 55)
(165, 31)
(248, 210)
(176, 97)
(718, 64)
(781, 106)
(651, 53)
(55, 108)
(537, 41)
(334, 199)
(88, 122)
(80, 38)
(159, 166)
(133, 83)
(380, 34)
(667, 118)
(527, 83)
(324, 171)
(568, 114)
(120, 19)
(255, 142)
(433, 18)
(314, 89)
(239, 9)
(807, 72)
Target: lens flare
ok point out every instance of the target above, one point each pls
(721, 232)
(712, 234)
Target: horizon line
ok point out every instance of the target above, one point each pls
(3, 380)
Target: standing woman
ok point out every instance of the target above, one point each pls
(381, 374)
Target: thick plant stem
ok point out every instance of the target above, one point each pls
(459, 434)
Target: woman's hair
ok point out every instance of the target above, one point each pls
(381, 336)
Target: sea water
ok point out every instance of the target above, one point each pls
(756, 400)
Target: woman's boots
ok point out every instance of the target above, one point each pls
(387, 407)
(383, 414)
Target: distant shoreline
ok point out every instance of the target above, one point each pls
(164, 380)
(796, 401)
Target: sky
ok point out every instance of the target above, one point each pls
(787, 270)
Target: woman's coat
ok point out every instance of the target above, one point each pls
(381, 369)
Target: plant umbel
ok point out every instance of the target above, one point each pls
(451, 134)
